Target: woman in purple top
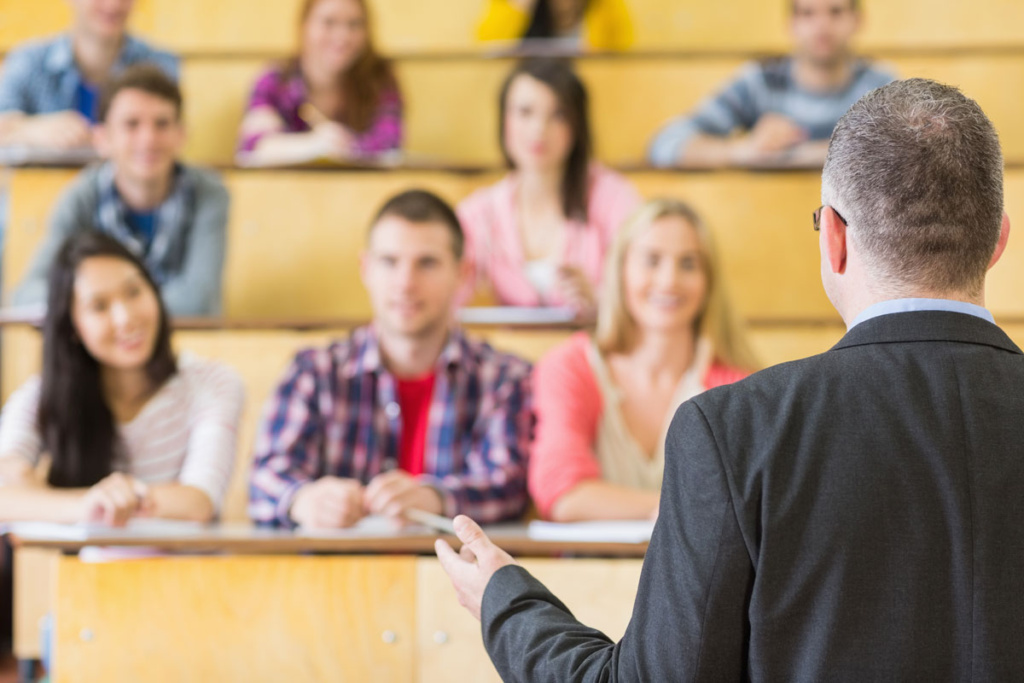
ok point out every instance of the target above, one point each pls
(336, 99)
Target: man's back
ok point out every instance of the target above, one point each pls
(879, 491)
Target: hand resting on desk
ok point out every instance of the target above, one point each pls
(335, 502)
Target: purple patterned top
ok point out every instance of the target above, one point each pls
(285, 94)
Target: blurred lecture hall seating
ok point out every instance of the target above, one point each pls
(291, 280)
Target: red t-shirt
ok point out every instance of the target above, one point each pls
(414, 399)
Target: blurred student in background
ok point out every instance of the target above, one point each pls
(116, 426)
(665, 333)
(784, 108)
(50, 89)
(336, 99)
(576, 24)
(408, 412)
(538, 237)
(172, 216)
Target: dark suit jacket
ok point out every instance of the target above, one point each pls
(855, 516)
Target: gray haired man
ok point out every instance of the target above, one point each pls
(854, 516)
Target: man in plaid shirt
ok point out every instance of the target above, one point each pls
(407, 412)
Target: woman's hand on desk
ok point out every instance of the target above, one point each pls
(115, 499)
(328, 503)
(472, 567)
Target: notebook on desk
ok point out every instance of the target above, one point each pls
(619, 531)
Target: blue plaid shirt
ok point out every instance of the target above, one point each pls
(41, 77)
(336, 413)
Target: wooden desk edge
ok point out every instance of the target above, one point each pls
(410, 545)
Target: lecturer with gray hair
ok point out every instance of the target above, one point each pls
(854, 516)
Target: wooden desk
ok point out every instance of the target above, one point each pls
(258, 610)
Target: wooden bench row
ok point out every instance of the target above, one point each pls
(295, 236)
(405, 26)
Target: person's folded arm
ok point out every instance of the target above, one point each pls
(701, 139)
(206, 473)
(505, 20)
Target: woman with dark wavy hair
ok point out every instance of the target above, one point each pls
(538, 237)
(337, 98)
(115, 426)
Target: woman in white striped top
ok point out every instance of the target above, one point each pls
(115, 426)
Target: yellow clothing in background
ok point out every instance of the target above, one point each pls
(606, 24)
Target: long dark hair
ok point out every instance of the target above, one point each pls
(75, 421)
(542, 23)
(558, 75)
(362, 83)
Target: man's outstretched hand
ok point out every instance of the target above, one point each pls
(472, 567)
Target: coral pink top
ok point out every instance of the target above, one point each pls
(580, 432)
(490, 219)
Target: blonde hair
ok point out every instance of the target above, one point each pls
(616, 329)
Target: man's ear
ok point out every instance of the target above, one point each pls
(833, 240)
(1004, 237)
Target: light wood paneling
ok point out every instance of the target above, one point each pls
(32, 194)
(33, 572)
(451, 105)
(306, 231)
(236, 618)
(269, 26)
(600, 593)
(295, 236)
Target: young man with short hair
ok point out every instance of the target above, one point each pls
(784, 108)
(49, 89)
(408, 412)
(173, 216)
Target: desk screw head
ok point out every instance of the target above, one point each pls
(440, 637)
(85, 635)
(389, 637)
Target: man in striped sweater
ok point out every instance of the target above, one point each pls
(784, 108)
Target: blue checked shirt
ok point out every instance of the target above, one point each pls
(41, 77)
(336, 413)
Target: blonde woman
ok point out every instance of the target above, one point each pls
(665, 333)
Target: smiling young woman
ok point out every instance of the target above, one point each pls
(337, 98)
(127, 429)
(665, 333)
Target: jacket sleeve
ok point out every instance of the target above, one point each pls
(689, 620)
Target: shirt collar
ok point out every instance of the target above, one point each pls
(918, 304)
(61, 57)
(368, 359)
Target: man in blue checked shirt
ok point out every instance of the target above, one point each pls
(407, 412)
(783, 109)
(49, 89)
